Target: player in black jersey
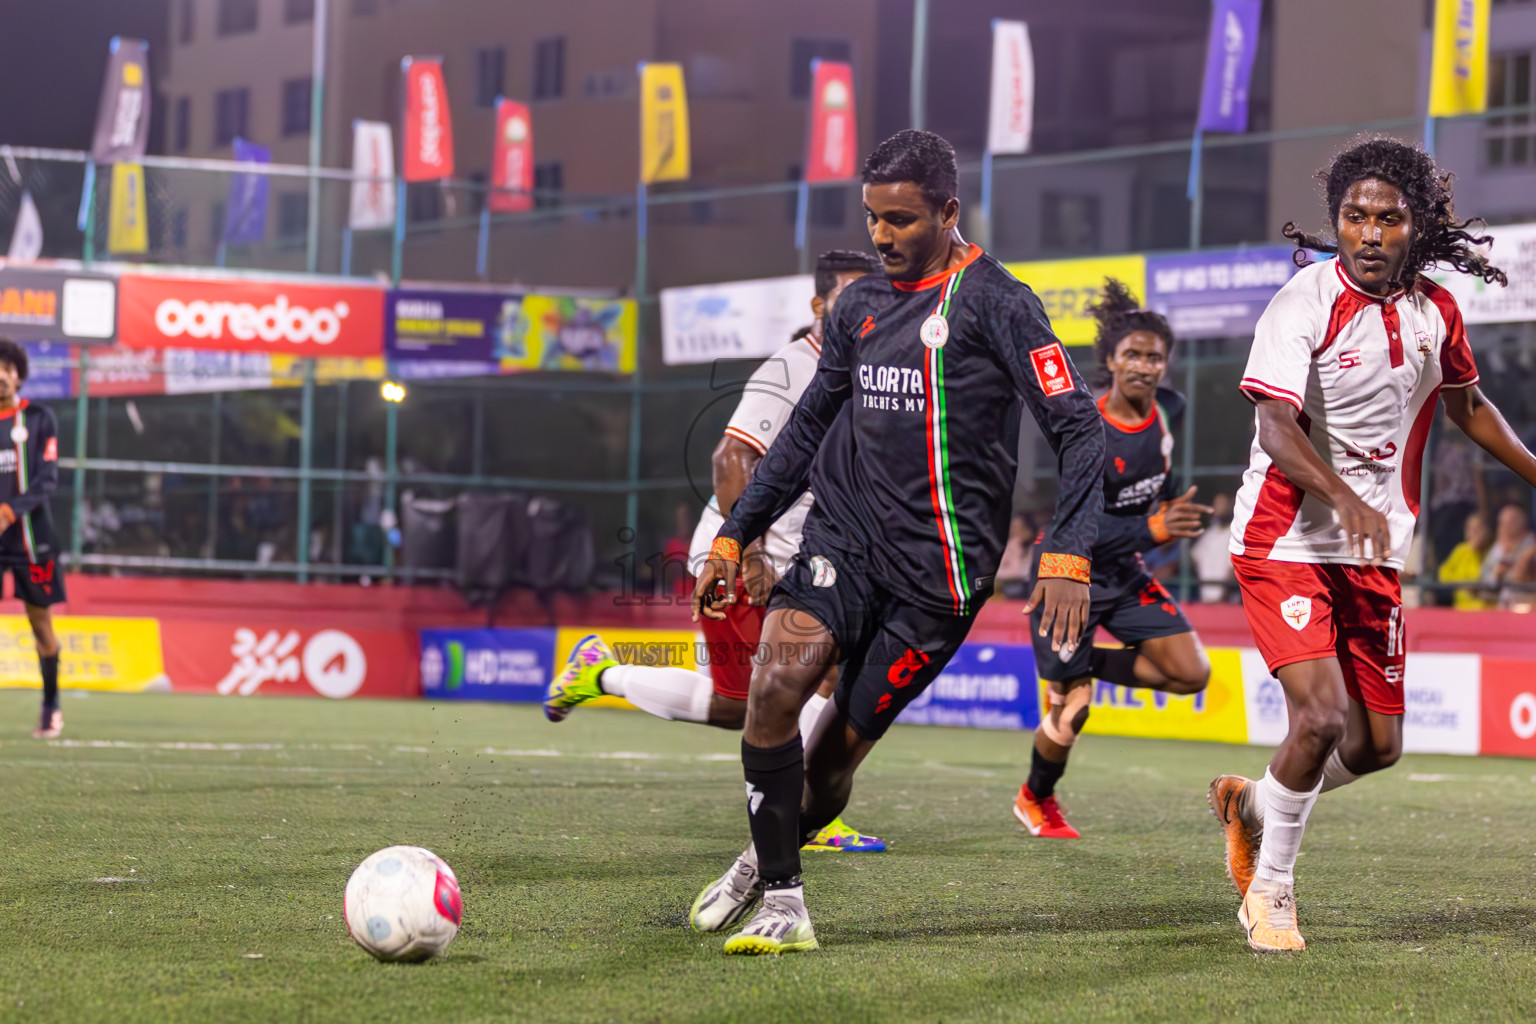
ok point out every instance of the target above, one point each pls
(29, 472)
(1141, 511)
(908, 437)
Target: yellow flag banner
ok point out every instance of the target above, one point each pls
(128, 220)
(1458, 77)
(663, 123)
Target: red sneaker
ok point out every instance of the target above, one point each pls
(1042, 817)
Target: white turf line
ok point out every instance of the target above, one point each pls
(601, 755)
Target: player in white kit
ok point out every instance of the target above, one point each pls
(719, 697)
(1347, 366)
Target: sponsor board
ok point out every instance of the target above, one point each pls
(285, 659)
(1508, 694)
(1441, 707)
(95, 653)
(250, 315)
(734, 320)
(1513, 251)
(984, 686)
(670, 648)
(1217, 714)
(1264, 700)
(38, 304)
(487, 664)
(1217, 295)
(1067, 287)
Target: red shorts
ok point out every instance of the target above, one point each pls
(1299, 611)
(732, 644)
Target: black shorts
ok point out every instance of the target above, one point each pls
(1133, 611)
(40, 585)
(889, 649)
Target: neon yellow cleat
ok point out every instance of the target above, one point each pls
(780, 925)
(577, 683)
(837, 837)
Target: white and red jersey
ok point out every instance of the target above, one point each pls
(1365, 372)
(766, 402)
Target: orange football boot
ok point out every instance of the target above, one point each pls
(1268, 915)
(1042, 817)
(1231, 799)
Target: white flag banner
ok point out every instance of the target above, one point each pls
(373, 162)
(1514, 252)
(735, 320)
(1012, 115)
(27, 239)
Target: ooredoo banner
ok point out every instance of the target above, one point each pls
(250, 316)
(288, 659)
(428, 126)
(512, 159)
(834, 126)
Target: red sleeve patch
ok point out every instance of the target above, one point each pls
(51, 450)
(1052, 370)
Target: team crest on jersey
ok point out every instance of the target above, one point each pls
(1424, 343)
(19, 434)
(823, 574)
(1051, 370)
(935, 331)
(1297, 611)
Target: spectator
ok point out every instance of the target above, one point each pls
(1211, 555)
(1509, 560)
(1465, 563)
(1015, 569)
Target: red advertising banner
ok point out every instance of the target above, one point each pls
(288, 660)
(428, 126)
(1509, 707)
(512, 161)
(834, 128)
(228, 315)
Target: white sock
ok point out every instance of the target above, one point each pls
(675, 694)
(1334, 772)
(1285, 819)
(809, 714)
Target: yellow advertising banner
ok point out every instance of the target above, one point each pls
(127, 217)
(1458, 75)
(120, 655)
(1218, 715)
(659, 648)
(1067, 287)
(663, 124)
(570, 333)
(288, 371)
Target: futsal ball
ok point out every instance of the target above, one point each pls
(403, 904)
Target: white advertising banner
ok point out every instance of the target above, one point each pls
(1012, 111)
(1514, 252)
(734, 320)
(373, 161)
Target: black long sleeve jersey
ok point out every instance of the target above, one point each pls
(29, 472)
(908, 435)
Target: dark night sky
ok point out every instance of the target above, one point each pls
(52, 54)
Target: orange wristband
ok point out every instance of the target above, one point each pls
(726, 548)
(1157, 523)
(1071, 567)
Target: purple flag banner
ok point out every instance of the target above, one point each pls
(245, 212)
(1229, 55)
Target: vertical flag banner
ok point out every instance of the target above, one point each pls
(1458, 75)
(1011, 119)
(127, 219)
(834, 125)
(663, 124)
(512, 159)
(27, 238)
(122, 116)
(245, 211)
(428, 126)
(1229, 54)
(373, 165)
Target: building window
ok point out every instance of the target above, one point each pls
(295, 11)
(292, 215)
(803, 51)
(296, 106)
(236, 16)
(230, 109)
(1510, 140)
(424, 201)
(1069, 222)
(490, 63)
(549, 68)
(548, 179)
(181, 125)
(828, 206)
(187, 22)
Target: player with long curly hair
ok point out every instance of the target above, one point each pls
(1347, 366)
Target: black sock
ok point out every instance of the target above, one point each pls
(1044, 774)
(1114, 665)
(49, 664)
(775, 784)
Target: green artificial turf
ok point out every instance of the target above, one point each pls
(235, 823)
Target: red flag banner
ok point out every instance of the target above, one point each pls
(512, 162)
(428, 127)
(834, 128)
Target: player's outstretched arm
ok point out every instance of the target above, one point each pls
(1287, 445)
(1481, 420)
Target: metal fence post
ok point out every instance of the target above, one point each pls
(391, 471)
(632, 499)
(1188, 461)
(82, 422)
(306, 467)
